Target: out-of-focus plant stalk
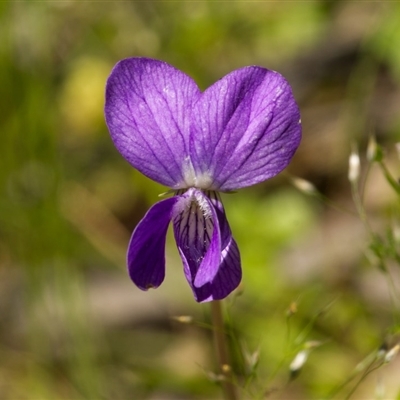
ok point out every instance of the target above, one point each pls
(354, 178)
(221, 347)
(392, 181)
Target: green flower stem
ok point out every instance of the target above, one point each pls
(393, 183)
(221, 348)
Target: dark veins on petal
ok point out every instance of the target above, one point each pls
(193, 231)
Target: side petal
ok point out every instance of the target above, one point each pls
(146, 250)
(229, 273)
(227, 279)
(251, 121)
(147, 111)
(210, 255)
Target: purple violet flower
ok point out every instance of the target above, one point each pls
(240, 131)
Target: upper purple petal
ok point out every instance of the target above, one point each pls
(147, 112)
(245, 128)
(146, 251)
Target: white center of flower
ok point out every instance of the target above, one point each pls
(202, 180)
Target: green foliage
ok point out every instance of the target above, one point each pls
(72, 326)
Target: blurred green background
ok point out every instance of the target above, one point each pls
(73, 326)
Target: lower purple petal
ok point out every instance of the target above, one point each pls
(146, 251)
(210, 255)
(227, 279)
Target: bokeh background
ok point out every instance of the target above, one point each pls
(73, 326)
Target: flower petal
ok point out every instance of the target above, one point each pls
(251, 121)
(146, 251)
(147, 112)
(210, 255)
(196, 234)
(229, 272)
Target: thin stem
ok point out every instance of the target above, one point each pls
(393, 183)
(360, 206)
(221, 348)
(363, 376)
